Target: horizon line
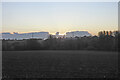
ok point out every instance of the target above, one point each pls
(55, 32)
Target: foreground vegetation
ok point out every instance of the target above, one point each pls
(59, 64)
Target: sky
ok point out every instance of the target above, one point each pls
(60, 17)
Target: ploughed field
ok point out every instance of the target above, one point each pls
(59, 64)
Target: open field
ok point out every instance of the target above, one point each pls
(59, 64)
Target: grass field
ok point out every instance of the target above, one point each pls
(59, 64)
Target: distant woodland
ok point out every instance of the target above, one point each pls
(105, 41)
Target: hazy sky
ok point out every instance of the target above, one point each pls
(59, 16)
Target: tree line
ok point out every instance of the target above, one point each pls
(105, 41)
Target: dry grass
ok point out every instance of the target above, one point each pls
(59, 64)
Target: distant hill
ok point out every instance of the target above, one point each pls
(77, 33)
(42, 35)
